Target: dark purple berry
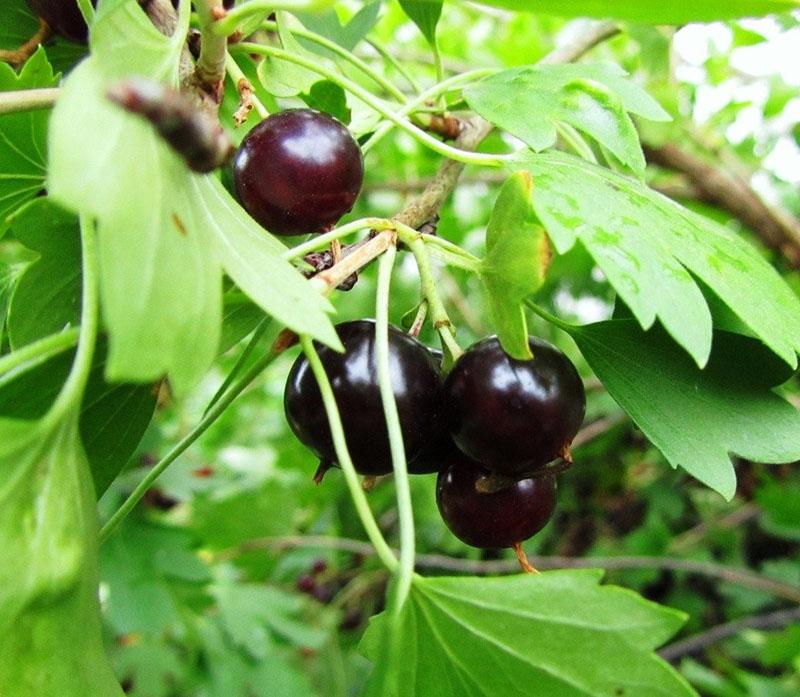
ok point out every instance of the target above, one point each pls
(354, 378)
(298, 171)
(501, 518)
(63, 17)
(323, 594)
(435, 453)
(514, 416)
(306, 584)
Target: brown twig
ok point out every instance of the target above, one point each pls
(679, 189)
(18, 56)
(694, 644)
(571, 51)
(740, 577)
(193, 133)
(716, 184)
(733, 519)
(597, 428)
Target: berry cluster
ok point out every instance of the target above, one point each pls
(491, 429)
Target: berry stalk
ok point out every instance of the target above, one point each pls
(405, 571)
(363, 510)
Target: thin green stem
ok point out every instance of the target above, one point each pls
(450, 253)
(391, 60)
(544, 314)
(210, 66)
(72, 390)
(439, 317)
(405, 571)
(322, 241)
(465, 156)
(236, 74)
(87, 10)
(439, 67)
(575, 141)
(426, 96)
(38, 352)
(28, 100)
(228, 24)
(382, 549)
(349, 56)
(203, 425)
(259, 331)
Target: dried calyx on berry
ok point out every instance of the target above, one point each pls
(501, 518)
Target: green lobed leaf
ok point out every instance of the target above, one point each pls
(47, 296)
(651, 249)
(8, 279)
(697, 418)
(675, 12)
(235, 673)
(528, 102)
(23, 137)
(516, 261)
(425, 14)
(781, 505)
(520, 635)
(113, 417)
(165, 233)
(281, 78)
(48, 588)
(147, 568)
(113, 420)
(254, 615)
(17, 24)
(327, 96)
(348, 35)
(153, 666)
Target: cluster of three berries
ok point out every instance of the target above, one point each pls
(491, 415)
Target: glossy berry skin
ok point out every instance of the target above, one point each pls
(435, 453)
(63, 17)
(513, 416)
(354, 379)
(298, 171)
(498, 519)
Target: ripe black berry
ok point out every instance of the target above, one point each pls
(354, 378)
(514, 416)
(298, 171)
(501, 518)
(63, 17)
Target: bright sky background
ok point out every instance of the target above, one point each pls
(778, 55)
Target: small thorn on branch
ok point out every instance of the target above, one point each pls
(193, 133)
